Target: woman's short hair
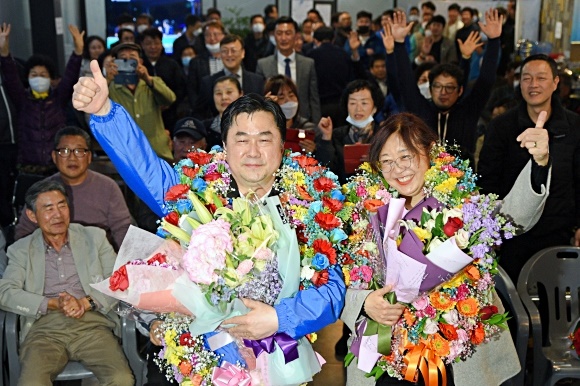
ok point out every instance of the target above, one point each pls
(41, 60)
(276, 82)
(414, 132)
(230, 78)
(358, 85)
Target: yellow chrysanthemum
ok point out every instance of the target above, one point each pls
(447, 186)
(455, 282)
(372, 190)
(299, 178)
(170, 336)
(171, 356)
(301, 211)
(366, 166)
(346, 274)
(422, 234)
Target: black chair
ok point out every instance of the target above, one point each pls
(554, 270)
(23, 182)
(75, 370)
(507, 290)
(3, 359)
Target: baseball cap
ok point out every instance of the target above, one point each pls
(126, 46)
(190, 126)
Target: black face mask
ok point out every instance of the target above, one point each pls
(363, 29)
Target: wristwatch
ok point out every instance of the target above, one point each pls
(92, 303)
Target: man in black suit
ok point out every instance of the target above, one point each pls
(207, 62)
(232, 54)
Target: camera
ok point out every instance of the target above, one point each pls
(127, 71)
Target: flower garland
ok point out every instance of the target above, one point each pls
(456, 316)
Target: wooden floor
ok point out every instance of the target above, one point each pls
(333, 372)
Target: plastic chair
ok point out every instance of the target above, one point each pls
(506, 288)
(73, 369)
(556, 269)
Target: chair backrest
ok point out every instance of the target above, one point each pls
(556, 269)
(21, 185)
(4, 370)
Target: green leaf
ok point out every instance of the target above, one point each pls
(425, 216)
(348, 359)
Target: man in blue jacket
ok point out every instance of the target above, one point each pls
(253, 132)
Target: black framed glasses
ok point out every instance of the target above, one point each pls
(65, 152)
(449, 88)
(403, 162)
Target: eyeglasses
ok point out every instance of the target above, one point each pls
(403, 162)
(230, 52)
(448, 88)
(65, 152)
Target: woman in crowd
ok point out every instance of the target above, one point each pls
(401, 152)
(226, 90)
(361, 99)
(94, 47)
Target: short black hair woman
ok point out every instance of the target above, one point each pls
(405, 159)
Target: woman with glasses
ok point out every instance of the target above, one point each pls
(401, 152)
(361, 99)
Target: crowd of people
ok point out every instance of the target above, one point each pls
(398, 82)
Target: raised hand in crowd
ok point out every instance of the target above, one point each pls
(399, 26)
(388, 39)
(78, 38)
(493, 24)
(470, 44)
(4, 39)
(354, 43)
(91, 95)
(325, 126)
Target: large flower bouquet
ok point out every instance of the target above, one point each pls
(234, 248)
(449, 239)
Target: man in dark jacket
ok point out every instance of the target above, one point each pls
(454, 119)
(502, 158)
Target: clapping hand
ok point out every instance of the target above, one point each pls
(493, 24)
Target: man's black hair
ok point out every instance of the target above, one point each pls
(545, 58)
(376, 57)
(324, 34)
(454, 6)
(153, 33)
(437, 19)
(448, 69)
(72, 131)
(191, 20)
(254, 17)
(429, 5)
(269, 9)
(286, 20)
(366, 14)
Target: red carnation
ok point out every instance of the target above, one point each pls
(119, 279)
(327, 221)
(186, 340)
(199, 158)
(158, 258)
(172, 218)
(176, 191)
(311, 170)
(453, 225)
(324, 247)
(305, 161)
(212, 176)
(323, 184)
(332, 204)
(211, 207)
(300, 234)
(487, 312)
(190, 172)
(320, 278)
(346, 259)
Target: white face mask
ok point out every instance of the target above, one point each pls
(197, 32)
(413, 18)
(258, 28)
(104, 72)
(289, 109)
(428, 33)
(272, 40)
(516, 83)
(185, 61)
(213, 48)
(142, 27)
(39, 83)
(129, 26)
(359, 124)
(424, 89)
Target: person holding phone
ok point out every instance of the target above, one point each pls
(143, 96)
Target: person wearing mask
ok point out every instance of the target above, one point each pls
(125, 30)
(184, 57)
(422, 75)
(363, 43)
(144, 100)
(207, 62)
(94, 47)
(160, 65)
(232, 53)
(225, 90)
(40, 108)
(454, 23)
(419, 31)
(297, 67)
(256, 43)
(143, 22)
(191, 37)
(362, 100)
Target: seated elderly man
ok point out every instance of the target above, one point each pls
(95, 198)
(47, 282)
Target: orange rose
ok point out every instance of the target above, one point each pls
(185, 368)
(303, 194)
(448, 331)
(440, 345)
(478, 334)
(473, 273)
(196, 380)
(468, 307)
(441, 301)
(372, 205)
(409, 317)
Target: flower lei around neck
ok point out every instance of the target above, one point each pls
(456, 316)
(309, 193)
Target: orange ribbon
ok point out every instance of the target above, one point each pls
(419, 358)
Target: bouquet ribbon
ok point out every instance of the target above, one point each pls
(288, 345)
(384, 332)
(421, 358)
(229, 375)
